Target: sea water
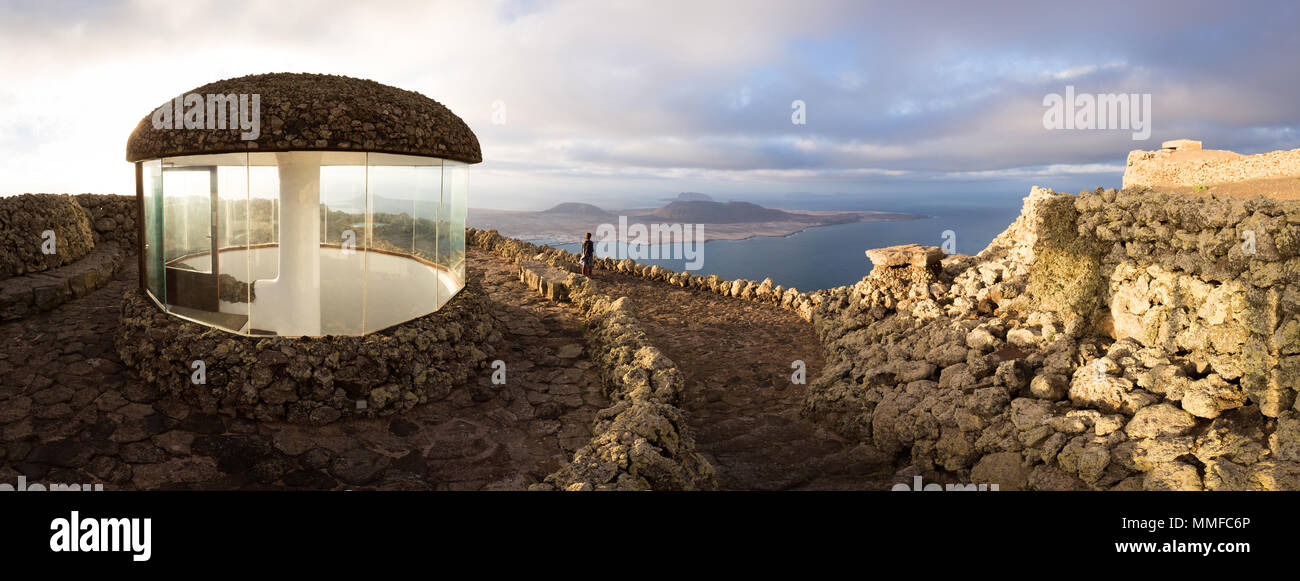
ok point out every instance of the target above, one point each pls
(830, 256)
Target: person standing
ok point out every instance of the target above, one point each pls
(588, 258)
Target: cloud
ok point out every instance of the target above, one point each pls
(620, 100)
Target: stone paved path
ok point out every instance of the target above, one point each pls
(740, 400)
(70, 413)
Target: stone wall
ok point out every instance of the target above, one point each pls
(1175, 167)
(313, 380)
(112, 218)
(641, 441)
(1110, 340)
(1215, 281)
(94, 234)
(764, 291)
(24, 218)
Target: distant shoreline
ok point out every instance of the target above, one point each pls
(706, 219)
(737, 236)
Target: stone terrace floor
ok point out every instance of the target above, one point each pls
(70, 413)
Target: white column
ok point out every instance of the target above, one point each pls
(300, 241)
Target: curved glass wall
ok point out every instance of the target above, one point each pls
(303, 243)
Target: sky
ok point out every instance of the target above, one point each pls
(623, 104)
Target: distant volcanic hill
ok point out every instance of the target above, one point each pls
(691, 197)
(577, 209)
(700, 212)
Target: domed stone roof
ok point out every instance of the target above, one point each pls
(319, 112)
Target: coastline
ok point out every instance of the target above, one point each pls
(557, 234)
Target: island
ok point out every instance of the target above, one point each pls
(734, 220)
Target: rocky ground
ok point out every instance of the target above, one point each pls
(740, 400)
(71, 413)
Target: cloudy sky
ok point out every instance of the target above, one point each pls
(621, 103)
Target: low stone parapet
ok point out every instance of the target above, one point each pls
(764, 291)
(40, 232)
(641, 441)
(24, 296)
(311, 380)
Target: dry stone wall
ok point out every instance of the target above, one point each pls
(312, 380)
(764, 291)
(641, 440)
(24, 219)
(1110, 340)
(111, 218)
(93, 234)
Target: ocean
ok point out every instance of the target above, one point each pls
(830, 256)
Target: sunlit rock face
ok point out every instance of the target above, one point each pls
(1110, 340)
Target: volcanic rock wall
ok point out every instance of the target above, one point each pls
(111, 218)
(1107, 340)
(312, 380)
(764, 291)
(641, 441)
(24, 219)
(92, 236)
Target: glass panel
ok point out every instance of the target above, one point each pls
(344, 239)
(263, 200)
(378, 239)
(264, 240)
(187, 216)
(428, 197)
(151, 176)
(205, 254)
(232, 206)
(443, 228)
(233, 272)
(456, 194)
(400, 286)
